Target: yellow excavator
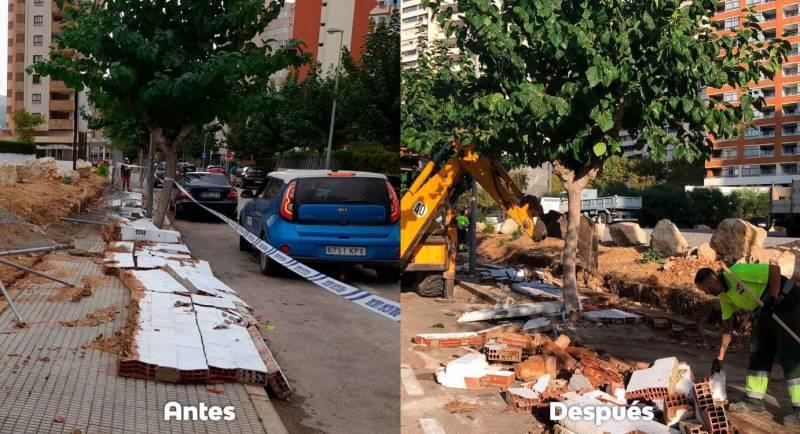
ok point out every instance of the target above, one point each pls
(428, 235)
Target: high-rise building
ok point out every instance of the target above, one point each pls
(313, 19)
(419, 28)
(32, 25)
(769, 151)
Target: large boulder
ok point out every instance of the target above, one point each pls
(29, 169)
(65, 172)
(706, 253)
(553, 221)
(667, 239)
(84, 168)
(784, 258)
(736, 239)
(8, 175)
(627, 234)
(508, 227)
(49, 167)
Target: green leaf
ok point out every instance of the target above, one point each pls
(592, 74)
(599, 148)
(605, 121)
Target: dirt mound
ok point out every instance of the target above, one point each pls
(95, 318)
(43, 201)
(114, 344)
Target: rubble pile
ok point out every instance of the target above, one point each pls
(185, 326)
(533, 370)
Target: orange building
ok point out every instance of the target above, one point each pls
(314, 18)
(769, 151)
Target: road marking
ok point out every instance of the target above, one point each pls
(431, 426)
(413, 388)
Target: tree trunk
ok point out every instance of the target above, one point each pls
(171, 157)
(573, 184)
(572, 303)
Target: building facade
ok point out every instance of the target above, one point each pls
(313, 19)
(419, 28)
(32, 25)
(769, 151)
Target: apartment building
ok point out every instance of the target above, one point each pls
(418, 27)
(32, 25)
(313, 19)
(769, 151)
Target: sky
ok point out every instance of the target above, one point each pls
(3, 45)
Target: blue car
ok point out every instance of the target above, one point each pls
(321, 216)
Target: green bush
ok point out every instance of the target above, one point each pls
(652, 255)
(102, 170)
(488, 228)
(17, 147)
(67, 180)
(503, 241)
(516, 234)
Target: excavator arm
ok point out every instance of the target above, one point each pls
(423, 201)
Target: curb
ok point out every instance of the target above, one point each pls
(265, 411)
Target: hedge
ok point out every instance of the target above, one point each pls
(17, 147)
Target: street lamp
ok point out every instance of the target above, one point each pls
(335, 91)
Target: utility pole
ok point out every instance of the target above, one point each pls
(335, 92)
(75, 133)
(473, 225)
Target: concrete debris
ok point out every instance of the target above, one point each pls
(114, 261)
(145, 230)
(537, 324)
(612, 316)
(442, 340)
(655, 382)
(667, 239)
(465, 372)
(627, 234)
(514, 311)
(537, 289)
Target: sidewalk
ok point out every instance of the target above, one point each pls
(58, 378)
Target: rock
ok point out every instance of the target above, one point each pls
(49, 167)
(29, 169)
(8, 175)
(63, 172)
(786, 259)
(84, 168)
(600, 230)
(667, 239)
(705, 252)
(702, 227)
(508, 227)
(480, 226)
(627, 234)
(735, 239)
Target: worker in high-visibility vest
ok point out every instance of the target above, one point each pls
(462, 226)
(767, 339)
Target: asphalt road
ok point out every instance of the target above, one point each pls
(340, 358)
(696, 237)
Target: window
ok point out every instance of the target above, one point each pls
(790, 30)
(767, 170)
(731, 23)
(730, 97)
(19, 96)
(790, 109)
(794, 51)
(752, 132)
(751, 170)
(790, 70)
(790, 90)
(789, 169)
(730, 171)
(789, 149)
(731, 5)
(752, 152)
(790, 129)
(767, 92)
(38, 40)
(37, 79)
(59, 96)
(728, 153)
(38, 2)
(767, 16)
(20, 57)
(36, 98)
(38, 20)
(59, 115)
(767, 151)
(37, 58)
(271, 189)
(768, 112)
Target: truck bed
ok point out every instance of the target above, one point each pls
(611, 202)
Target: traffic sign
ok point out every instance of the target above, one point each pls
(229, 155)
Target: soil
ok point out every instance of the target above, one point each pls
(72, 294)
(460, 406)
(43, 201)
(113, 344)
(95, 318)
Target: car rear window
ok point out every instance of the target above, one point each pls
(258, 172)
(216, 179)
(341, 190)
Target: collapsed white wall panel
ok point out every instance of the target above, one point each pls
(663, 374)
(122, 246)
(537, 289)
(159, 281)
(228, 345)
(219, 303)
(168, 335)
(513, 311)
(168, 248)
(118, 260)
(148, 262)
(145, 230)
(611, 426)
(203, 283)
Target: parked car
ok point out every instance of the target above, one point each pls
(184, 168)
(210, 189)
(326, 217)
(215, 169)
(252, 177)
(761, 222)
(161, 169)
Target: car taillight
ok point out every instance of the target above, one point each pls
(285, 249)
(246, 175)
(394, 207)
(341, 174)
(232, 195)
(287, 203)
(181, 195)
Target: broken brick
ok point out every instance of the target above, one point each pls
(702, 395)
(563, 359)
(536, 366)
(502, 353)
(715, 420)
(502, 379)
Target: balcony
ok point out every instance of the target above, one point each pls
(58, 86)
(790, 11)
(791, 70)
(61, 124)
(790, 30)
(62, 105)
(766, 16)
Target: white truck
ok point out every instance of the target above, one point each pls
(602, 209)
(785, 208)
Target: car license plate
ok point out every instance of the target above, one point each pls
(209, 195)
(345, 251)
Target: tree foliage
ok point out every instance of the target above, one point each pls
(297, 115)
(25, 124)
(167, 66)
